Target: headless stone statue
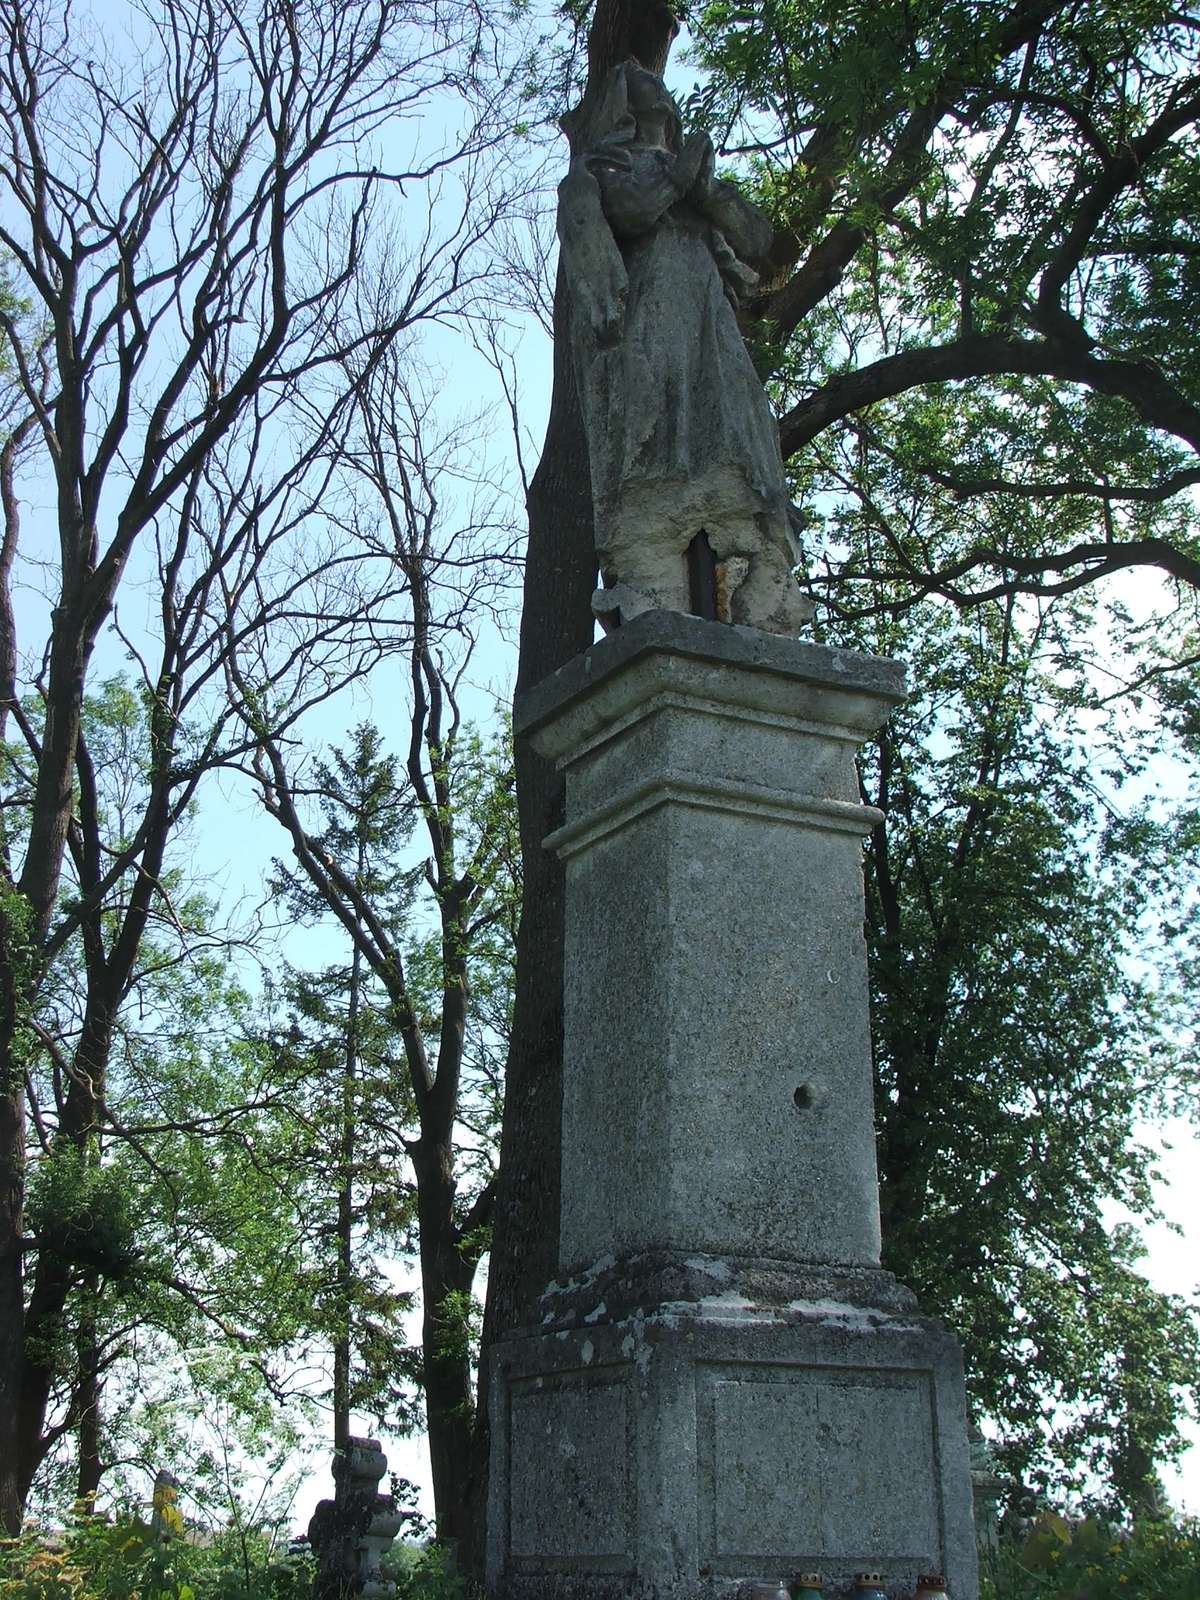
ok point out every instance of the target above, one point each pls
(682, 443)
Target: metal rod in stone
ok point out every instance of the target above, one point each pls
(702, 577)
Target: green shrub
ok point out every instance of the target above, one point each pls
(94, 1558)
(29, 1570)
(423, 1572)
(1060, 1560)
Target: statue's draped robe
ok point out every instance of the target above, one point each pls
(680, 432)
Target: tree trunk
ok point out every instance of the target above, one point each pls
(13, 958)
(53, 1276)
(556, 624)
(50, 815)
(446, 1278)
(12, 1277)
(345, 1220)
(25, 913)
(88, 1395)
(24, 918)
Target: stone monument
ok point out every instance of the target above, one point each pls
(351, 1534)
(723, 1387)
(683, 447)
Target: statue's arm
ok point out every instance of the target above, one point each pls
(745, 227)
(634, 200)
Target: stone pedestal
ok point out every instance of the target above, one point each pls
(724, 1387)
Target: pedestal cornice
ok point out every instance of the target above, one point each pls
(739, 671)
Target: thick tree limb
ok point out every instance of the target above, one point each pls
(1083, 564)
(479, 1216)
(828, 154)
(1143, 385)
(1119, 173)
(1138, 493)
(827, 261)
(645, 29)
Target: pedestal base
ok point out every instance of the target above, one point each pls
(687, 1450)
(733, 1391)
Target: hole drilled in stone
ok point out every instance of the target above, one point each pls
(803, 1097)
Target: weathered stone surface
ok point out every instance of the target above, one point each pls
(743, 1446)
(351, 1534)
(717, 1089)
(681, 438)
(725, 1387)
(855, 1495)
(742, 666)
(584, 1435)
(640, 1284)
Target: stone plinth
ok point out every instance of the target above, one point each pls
(689, 1449)
(717, 1082)
(724, 1386)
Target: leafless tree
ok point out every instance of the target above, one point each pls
(187, 210)
(453, 566)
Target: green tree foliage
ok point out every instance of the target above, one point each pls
(129, 1558)
(410, 1034)
(1017, 1046)
(174, 1228)
(998, 197)
(356, 1092)
(1057, 1560)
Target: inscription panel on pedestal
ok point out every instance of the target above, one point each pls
(571, 1454)
(817, 1465)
